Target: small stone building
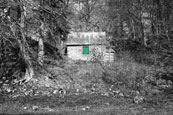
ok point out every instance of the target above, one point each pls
(88, 46)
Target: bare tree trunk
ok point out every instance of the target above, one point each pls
(24, 48)
(143, 37)
(18, 32)
(41, 45)
(29, 69)
(133, 29)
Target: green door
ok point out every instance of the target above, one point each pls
(85, 50)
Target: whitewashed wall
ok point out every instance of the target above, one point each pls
(76, 52)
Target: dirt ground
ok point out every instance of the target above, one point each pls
(85, 104)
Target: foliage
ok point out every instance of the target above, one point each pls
(88, 15)
(53, 15)
(96, 56)
(144, 29)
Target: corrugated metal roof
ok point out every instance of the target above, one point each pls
(86, 38)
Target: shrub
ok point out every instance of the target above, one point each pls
(96, 56)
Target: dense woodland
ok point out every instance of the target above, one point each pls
(33, 32)
(139, 26)
(29, 30)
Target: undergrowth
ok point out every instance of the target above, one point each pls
(124, 76)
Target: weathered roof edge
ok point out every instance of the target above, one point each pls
(86, 38)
